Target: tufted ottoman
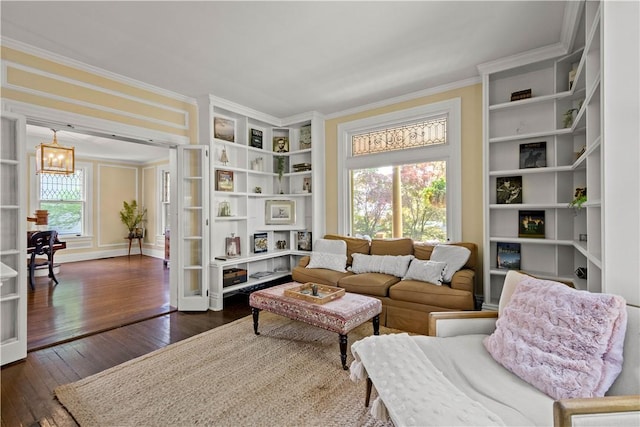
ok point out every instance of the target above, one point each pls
(340, 315)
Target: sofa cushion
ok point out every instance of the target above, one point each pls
(317, 275)
(330, 246)
(354, 245)
(426, 271)
(329, 261)
(432, 295)
(454, 256)
(424, 250)
(399, 246)
(377, 284)
(566, 343)
(387, 264)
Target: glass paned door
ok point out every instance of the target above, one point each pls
(193, 225)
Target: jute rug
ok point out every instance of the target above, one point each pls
(290, 375)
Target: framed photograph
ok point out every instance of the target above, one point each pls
(304, 240)
(280, 144)
(508, 189)
(280, 212)
(531, 224)
(232, 245)
(306, 185)
(224, 129)
(255, 138)
(533, 155)
(508, 255)
(305, 137)
(260, 243)
(224, 180)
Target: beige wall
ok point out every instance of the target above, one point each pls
(472, 223)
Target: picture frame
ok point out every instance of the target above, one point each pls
(306, 185)
(224, 180)
(260, 243)
(305, 137)
(280, 212)
(224, 128)
(280, 144)
(255, 138)
(304, 241)
(531, 224)
(232, 246)
(508, 190)
(508, 255)
(533, 155)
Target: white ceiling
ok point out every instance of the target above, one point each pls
(285, 58)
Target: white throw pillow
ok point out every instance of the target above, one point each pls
(395, 265)
(329, 261)
(330, 246)
(425, 271)
(455, 257)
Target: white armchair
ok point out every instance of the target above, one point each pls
(468, 367)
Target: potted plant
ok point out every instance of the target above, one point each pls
(133, 217)
(280, 170)
(580, 197)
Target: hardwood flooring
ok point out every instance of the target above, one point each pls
(27, 386)
(94, 296)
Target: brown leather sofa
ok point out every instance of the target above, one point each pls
(406, 304)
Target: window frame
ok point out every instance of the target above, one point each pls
(87, 218)
(450, 152)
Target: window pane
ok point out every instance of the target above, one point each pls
(423, 192)
(64, 217)
(62, 187)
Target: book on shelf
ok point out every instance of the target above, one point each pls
(508, 255)
(533, 155)
(509, 189)
(255, 138)
(531, 224)
(260, 243)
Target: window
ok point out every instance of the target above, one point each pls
(399, 174)
(165, 199)
(65, 199)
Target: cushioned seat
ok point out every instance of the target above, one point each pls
(318, 275)
(376, 284)
(430, 294)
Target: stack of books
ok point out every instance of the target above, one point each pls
(301, 167)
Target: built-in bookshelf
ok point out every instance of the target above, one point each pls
(550, 143)
(264, 172)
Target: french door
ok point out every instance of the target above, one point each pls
(193, 227)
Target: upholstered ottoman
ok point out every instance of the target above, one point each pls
(340, 315)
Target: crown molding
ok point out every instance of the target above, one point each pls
(54, 57)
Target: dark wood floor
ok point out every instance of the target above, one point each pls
(94, 296)
(27, 386)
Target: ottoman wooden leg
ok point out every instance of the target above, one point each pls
(256, 314)
(368, 396)
(343, 351)
(376, 324)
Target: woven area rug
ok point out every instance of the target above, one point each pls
(290, 375)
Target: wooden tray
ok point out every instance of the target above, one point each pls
(325, 293)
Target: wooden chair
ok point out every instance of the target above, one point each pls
(42, 243)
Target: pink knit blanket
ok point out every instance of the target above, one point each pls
(565, 342)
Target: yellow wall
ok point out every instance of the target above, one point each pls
(472, 223)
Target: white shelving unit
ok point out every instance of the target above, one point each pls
(240, 211)
(508, 124)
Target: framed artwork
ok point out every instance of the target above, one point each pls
(280, 144)
(508, 255)
(224, 128)
(531, 224)
(306, 185)
(304, 240)
(260, 243)
(280, 212)
(232, 246)
(224, 180)
(533, 155)
(255, 138)
(509, 189)
(305, 137)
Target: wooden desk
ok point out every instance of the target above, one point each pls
(130, 239)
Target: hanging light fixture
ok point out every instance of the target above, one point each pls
(54, 158)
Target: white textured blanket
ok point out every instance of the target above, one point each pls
(413, 391)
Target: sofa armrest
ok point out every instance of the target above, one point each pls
(304, 261)
(453, 323)
(609, 410)
(464, 280)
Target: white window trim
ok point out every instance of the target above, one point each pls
(160, 228)
(451, 152)
(87, 225)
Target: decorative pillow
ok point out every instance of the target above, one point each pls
(329, 261)
(566, 343)
(387, 264)
(330, 246)
(454, 256)
(426, 271)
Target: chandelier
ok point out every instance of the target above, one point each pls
(54, 158)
